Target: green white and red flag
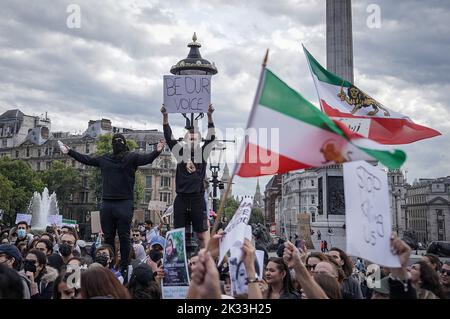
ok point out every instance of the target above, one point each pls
(300, 135)
(343, 101)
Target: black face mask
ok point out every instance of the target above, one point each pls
(29, 266)
(65, 250)
(119, 144)
(155, 255)
(102, 260)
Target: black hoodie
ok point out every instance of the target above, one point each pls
(118, 173)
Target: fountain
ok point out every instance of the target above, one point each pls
(42, 206)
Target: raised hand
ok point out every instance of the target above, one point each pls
(249, 256)
(160, 145)
(292, 255)
(205, 277)
(163, 110)
(213, 243)
(401, 249)
(210, 110)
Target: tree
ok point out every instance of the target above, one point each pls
(6, 194)
(104, 146)
(231, 205)
(62, 180)
(24, 182)
(257, 216)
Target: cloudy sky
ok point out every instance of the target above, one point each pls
(112, 66)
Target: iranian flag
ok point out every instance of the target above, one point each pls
(343, 101)
(286, 132)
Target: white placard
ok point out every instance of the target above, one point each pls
(157, 205)
(54, 220)
(23, 218)
(238, 273)
(367, 214)
(187, 93)
(237, 229)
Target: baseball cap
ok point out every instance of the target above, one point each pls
(158, 240)
(12, 251)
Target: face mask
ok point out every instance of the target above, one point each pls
(155, 255)
(29, 266)
(102, 260)
(21, 233)
(65, 250)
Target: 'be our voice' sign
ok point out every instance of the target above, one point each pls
(187, 93)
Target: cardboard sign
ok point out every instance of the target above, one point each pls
(54, 220)
(96, 227)
(157, 205)
(187, 93)
(368, 217)
(23, 218)
(237, 229)
(175, 283)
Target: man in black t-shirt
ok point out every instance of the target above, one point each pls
(189, 204)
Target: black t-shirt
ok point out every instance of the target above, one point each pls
(186, 182)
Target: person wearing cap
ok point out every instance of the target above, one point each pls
(156, 248)
(11, 257)
(118, 172)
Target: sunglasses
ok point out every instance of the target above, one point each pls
(445, 272)
(136, 235)
(310, 267)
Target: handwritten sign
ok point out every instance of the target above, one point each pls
(187, 93)
(367, 216)
(237, 229)
(54, 220)
(157, 205)
(23, 218)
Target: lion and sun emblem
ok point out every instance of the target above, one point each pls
(358, 99)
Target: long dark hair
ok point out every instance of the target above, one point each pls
(101, 282)
(288, 287)
(347, 267)
(430, 279)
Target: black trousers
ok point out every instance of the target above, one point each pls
(190, 209)
(116, 216)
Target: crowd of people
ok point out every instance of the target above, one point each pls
(56, 265)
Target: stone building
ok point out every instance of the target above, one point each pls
(427, 209)
(39, 148)
(271, 193)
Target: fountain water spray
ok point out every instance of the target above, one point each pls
(41, 206)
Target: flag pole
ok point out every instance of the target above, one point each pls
(227, 190)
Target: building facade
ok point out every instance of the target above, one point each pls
(427, 209)
(39, 148)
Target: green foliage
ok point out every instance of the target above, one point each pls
(257, 216)
(104, 146)
(231, 205)
(6, 193)
(62, 180)
(24, 182)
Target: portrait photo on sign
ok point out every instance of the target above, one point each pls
(174, 260)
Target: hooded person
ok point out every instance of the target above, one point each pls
(118, 170)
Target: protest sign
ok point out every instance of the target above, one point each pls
(157, 205)
(367, 215)
(96, 227)
(54, 220)
(238, 273)
(187, 93)
(23, 218)
(237, 228)
(175, 283)
(168, 211)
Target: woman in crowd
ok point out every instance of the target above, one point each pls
(433, 261)
(61, 290)
(100, 283)
(41, 276)
(278, 278)
(142, 284)
(426, 281)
